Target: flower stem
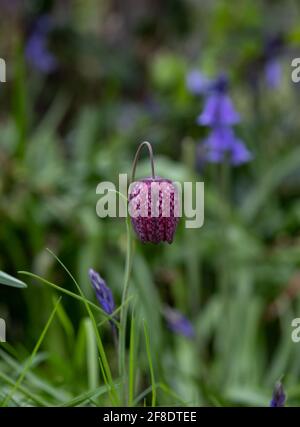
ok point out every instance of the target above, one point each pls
(124, 306)
(136, 157)
(124, 312)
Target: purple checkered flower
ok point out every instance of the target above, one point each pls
(36, 50)
(103, 293)
(279, 397)
(153, 207)
(178, 323)
(197, 83)
(153, 204)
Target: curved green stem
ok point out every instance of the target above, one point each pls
(136, 157)
(124, 306)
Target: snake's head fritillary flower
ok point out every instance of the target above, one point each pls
(153, 205)
(178, 323)
(278, 399)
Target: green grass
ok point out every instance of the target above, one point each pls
(236, 278)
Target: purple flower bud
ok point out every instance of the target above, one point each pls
(273, 73)
(153, 207)
(179, 323)
(103, 293)
(196, 82)
(278, 399)
(36, 50)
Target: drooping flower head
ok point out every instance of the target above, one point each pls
(103, 293)
(222, 143)
(220, 115)
(153, 206)
(218, 108)
(178, 323)
(278, 399)
(36, 50)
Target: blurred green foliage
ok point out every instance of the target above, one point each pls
(121, 79)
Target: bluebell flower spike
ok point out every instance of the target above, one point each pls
(178, 323)
(279, 396)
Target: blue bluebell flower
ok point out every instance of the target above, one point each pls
(197, 83)
(36, 49)
(279, 397)
(103, 293)
(178, 323)
(218, 111)
(273, 73)
(218, 108)
(273, 48)
(222, 143)
(220, 115)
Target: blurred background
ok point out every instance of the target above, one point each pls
(87, 81)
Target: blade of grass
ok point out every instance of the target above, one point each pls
(124, 307)
(86, 396)
(91, 355)
(106, 372)
(132, 361)
(148, 350)
(69, 293)
(8, 280)
(36, 381)
(32, 356)
(66, 324)
(39, 401)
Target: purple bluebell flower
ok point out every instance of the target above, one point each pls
(218, 111)
(222, 143)
(197, 83)
(239, 153)
(218, 108)
(178, 323)
(273, 73)
(273, 48)
(103, 293)
(278, 399)
(36, 50)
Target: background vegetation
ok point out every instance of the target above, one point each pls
(86, 82)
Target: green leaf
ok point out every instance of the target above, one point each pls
(6, 279)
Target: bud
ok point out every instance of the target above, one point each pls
(154, 209)
(278, 398)
(153, 204)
